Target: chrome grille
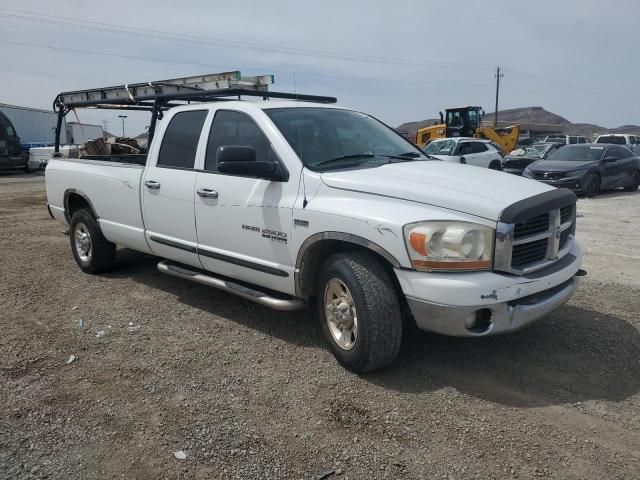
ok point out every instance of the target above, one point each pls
(535, 242)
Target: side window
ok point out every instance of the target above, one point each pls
(180, 140)
(478, 147)
(573, 140)
(617, 152)
(236, 128)
(465, 148)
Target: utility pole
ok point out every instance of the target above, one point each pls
(122, 117)
(498, 77)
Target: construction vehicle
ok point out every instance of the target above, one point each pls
(467, 122)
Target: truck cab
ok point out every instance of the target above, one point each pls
(11, 156)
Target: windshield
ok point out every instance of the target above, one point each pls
(327, 138)
(441, 147)
(612, 139)
(577, 153)
(537, 150)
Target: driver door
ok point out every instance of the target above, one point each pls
(244, 223)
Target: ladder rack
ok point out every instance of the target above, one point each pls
(130, 93)
(160, 95)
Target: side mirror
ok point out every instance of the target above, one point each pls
(241, 160)
(463, 160)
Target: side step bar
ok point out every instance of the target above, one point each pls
(231, 287)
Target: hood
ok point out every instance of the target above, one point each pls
(463, 188)
(560, 165)
(521, 160)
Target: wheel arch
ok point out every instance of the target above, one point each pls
(319, 246)
(74, 200)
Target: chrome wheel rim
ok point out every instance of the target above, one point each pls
(82, 239)
(340, 314)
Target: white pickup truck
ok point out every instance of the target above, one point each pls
(296, 204)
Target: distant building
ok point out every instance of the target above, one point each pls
(79, 133)
(34, 125)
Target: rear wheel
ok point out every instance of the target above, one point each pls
(360, 312)
(93, 252)
(495, 165)
(635, 183)
(591, 186)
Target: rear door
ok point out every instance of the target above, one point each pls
(244, 223)
(168, 188)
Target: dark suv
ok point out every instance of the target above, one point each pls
(11, 155)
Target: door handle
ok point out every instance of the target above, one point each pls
(207, 193)
(152, 184)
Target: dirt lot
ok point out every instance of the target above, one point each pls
(163, 365)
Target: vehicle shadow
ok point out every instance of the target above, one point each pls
(571, 356)
(615, 193)
(298, 327)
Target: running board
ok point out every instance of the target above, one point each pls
(231, 287)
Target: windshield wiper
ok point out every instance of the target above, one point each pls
(408, 154)
(344, 157)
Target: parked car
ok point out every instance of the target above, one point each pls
(290, 204)
(472, 151)
(521, 158)
(567, 139)
(11, 154)
(630, 141)
(588, 168)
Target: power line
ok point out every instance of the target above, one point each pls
(570, 87)
(162, 60)
(164, 35)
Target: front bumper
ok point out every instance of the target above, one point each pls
(37, 164)
(487, 303)
(572, 183)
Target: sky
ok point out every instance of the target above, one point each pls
(401, 60)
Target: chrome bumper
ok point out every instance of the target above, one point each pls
(497, 318)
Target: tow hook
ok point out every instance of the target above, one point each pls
(581, 273)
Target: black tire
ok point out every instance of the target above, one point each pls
(101, 252)
(591, 186)
(634, 184)
(377, 307)
(495, 165)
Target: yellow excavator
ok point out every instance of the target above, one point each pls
(467, 122)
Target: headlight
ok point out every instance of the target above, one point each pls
(443, 245)
(527, 172)
(574, 173)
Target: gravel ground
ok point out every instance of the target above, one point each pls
(163, 366)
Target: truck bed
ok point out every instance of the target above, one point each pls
(99, 181)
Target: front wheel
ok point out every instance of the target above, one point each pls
(591, 186)
(360, 312)
(495, 165)
(93, 252)
(635, 183)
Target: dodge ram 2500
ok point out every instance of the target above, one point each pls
(296, 204)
